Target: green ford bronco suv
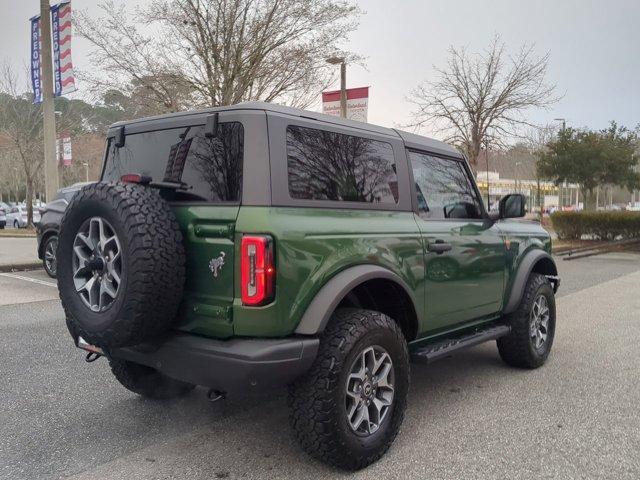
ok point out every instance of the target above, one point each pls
(252, 247)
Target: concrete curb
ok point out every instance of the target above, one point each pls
(21, 266)
(17, 235)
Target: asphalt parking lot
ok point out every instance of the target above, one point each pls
(469, 416)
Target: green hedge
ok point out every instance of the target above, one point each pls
(598, 225)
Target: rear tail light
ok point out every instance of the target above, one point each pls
(257, 270)
(135, 178)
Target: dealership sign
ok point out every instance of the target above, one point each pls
(357, 103)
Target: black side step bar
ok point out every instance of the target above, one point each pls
(443, 348)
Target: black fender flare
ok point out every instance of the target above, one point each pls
(524, 270)
(319, 311)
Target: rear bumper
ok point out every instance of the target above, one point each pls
(235, 366)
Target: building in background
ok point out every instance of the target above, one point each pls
(514, 170)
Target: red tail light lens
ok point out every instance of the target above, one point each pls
(257, 270)
(135, 178)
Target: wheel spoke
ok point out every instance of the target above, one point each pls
(86, 240)
(86, 285)
(378, 363)
(102, 235)
(352, 410)
(107, 288)
(360, 416)
(383, 377)
(354, 395)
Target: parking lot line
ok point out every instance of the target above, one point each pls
(29, 279)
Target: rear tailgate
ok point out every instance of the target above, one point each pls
(201, 178)
(208, 237)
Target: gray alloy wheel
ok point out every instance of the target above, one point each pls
(97, 264)
(50, 262)
(370, 390)
(539, 322)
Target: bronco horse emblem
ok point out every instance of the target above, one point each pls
(216, 264)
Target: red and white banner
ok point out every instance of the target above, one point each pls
(66, 150)
(357, 103)
(64, 81)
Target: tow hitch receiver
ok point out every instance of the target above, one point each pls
(93, 352)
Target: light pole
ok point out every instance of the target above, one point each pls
(86, 171)
(517, 175)
(49, 118)
(564, 123)
(486, 151)
(343, 82)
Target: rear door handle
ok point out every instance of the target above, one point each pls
(439, 246)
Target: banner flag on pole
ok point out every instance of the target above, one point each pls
(66, 150)
(64, 81)
(35, 63)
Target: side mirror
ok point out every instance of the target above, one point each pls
(512, 206)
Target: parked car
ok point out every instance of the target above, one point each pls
(250, 247)
(17, 216)
(4, 208)
(49, 227)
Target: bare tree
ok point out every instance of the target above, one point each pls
(185, 53)
(537, 141)
(482, 98)
(21, 126)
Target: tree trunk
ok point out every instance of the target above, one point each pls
(474, 153)
(589, 199)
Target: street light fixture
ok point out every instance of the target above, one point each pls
(564, 122)
(343, 82)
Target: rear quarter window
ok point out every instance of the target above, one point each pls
(324, 165)
(209, 168)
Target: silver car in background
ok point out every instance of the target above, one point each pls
(17, 216)
(4, 208)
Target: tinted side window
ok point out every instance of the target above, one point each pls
(210, 168)
(443, 188)
(326, 165)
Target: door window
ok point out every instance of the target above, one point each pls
(443, 188)
(325, 165)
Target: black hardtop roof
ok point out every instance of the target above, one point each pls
(411, 140)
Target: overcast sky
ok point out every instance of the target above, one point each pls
(593, 46)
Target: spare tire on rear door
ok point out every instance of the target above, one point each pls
(120, 264)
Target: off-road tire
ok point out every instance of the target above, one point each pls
(153, 265)
(517, 349)
(147, 382)
(316, 401)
